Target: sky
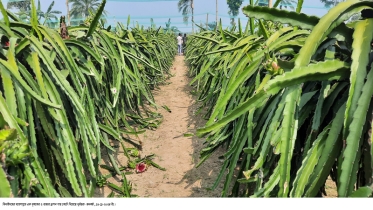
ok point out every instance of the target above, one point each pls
(161, 10)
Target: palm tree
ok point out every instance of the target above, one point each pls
(288, 3)
(68, 12)
(21, 5)
(50, 14)
(186, 7)
(168, 27)
(234, 6)
(211, 26)
(81, 8)
(283, 3)
(330, 3)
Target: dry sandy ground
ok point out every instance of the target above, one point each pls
(173, 151)
(330, 188)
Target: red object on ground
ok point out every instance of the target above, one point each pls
(140, 167)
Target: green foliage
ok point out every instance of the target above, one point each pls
(93, 24)
(292, 106)
(234, 6)
(5, 16)
(186, 8)
(21, 5)
(80, 9)
(65, 100)
(48, 15)
(331, 3)
(168, 27)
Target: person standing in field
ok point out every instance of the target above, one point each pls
(179, 43)
(184, 42)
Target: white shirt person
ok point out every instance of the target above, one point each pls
(179, 43)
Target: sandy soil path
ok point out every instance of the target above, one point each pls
(173, 151)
